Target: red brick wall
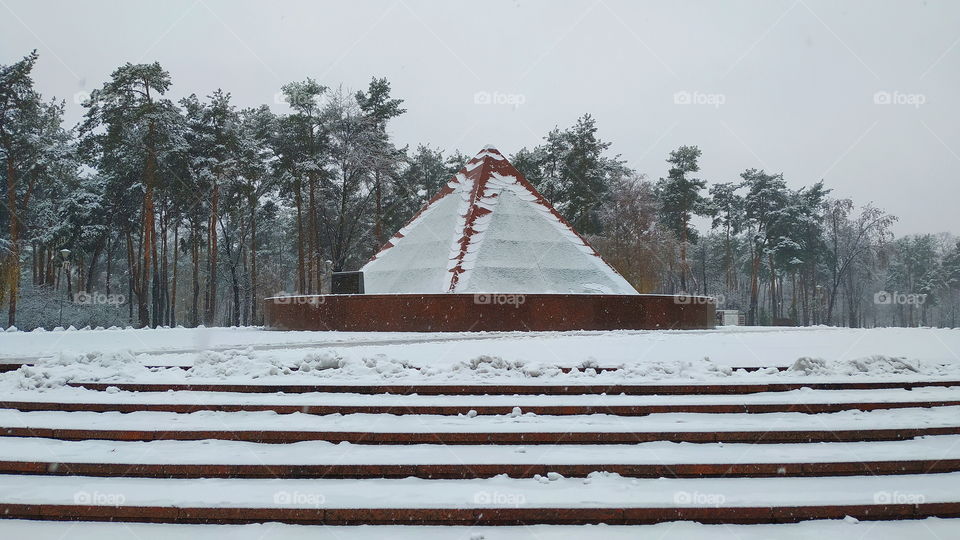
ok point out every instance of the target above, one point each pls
(495, 312)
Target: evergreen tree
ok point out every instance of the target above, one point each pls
(764, 204)
(137, 126)
(32, 143)
(680, 200)
(423, 177)
(258, 131)
(726, 210)
(380, 108)
(302, 148)
(571, 171)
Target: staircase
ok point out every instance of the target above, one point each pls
(482, 454)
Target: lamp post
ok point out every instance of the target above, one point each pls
(65, 255)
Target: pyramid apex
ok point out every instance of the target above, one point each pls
(489, 147)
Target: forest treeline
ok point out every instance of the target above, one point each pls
(155, 212)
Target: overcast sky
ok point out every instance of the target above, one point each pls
(865, 95)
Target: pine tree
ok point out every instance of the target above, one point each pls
(680, 200)
(764, 203)
(572, 172)
(424, 175)
(726, 210)
(379, 107)
(20, 108)
(303, 151)
(256, 158)
(37, 153)
(138, 126)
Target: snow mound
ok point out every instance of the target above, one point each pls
(495, 366)
(57, 371)
(319, 361)
(871, 365)
(234, 362)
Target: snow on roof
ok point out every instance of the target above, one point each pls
(489, 230)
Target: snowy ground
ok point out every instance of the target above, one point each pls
(598, 490)
(318, 452)
(255, 356)
(265, 421)
(928, 529)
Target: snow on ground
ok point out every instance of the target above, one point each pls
(527, 423)
(597, 490)
(253, 355)
(940, 447)
(928, 529)
(257, 355)
(67, 394)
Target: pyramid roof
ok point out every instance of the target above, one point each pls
(489, 230)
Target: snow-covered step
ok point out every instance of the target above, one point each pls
(805, 400)
(522, 387)
(805, 395)
(316, 459)
(501, 429)
(920, 529)
(944, 447)
(600, 498)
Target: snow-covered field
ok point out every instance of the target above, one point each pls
(254, 356)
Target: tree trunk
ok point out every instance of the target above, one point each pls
(109, 261)
(33, 263)
(851, 302)
(683, 258)
(774, 312)
(234, 280)
(378, 224)
(754, 288)
(195, 256)
(131, 274)
(253, 264)
(92, 269)
(172, 315)
(148, 248)
(160, 276)
(301, 263)
(14, 242)
(313, 267)
(211, 310)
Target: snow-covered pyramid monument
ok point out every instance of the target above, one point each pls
(490, 231)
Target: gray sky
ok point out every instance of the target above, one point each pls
(862, 94)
